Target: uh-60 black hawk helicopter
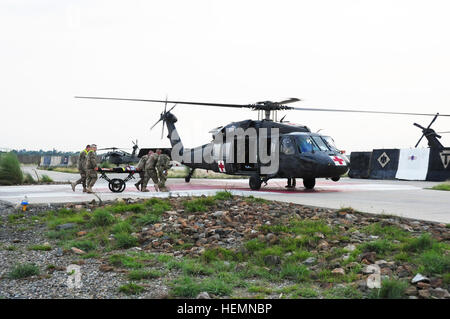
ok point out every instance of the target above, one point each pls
(302, 153)
(118, 156)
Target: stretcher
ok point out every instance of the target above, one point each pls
(117, 185)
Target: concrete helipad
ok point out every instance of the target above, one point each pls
(401, 198)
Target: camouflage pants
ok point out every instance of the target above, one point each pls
(141, 178)
(91, 178)
(82, 180)
(162, 178)
(149, 174)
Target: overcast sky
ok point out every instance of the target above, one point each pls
(368, 55)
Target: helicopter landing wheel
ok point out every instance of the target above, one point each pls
(116, 185)
(309, 183)
(336, 178)
(255, 182)
(187, 179)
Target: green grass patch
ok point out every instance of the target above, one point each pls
(85, 245)
(306, 292)
(125, 240)
(347, 292)
(442, 187)
(23, 271)
(198, 204)
(380, 246)
(223, 195)
(122, 227)
(252, 199)
(131, 289)
(419, 244)
(144, 274)
(15, 218)
(46, 179)
(190, 267)
(390, 232)
(189, 287)
(102, 217)
(40, 247)
(148, 219)
(434, 262)
(299, 273)
(219, 253)
(390, 289)
(125, 261)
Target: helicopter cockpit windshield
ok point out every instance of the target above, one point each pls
(306, 144)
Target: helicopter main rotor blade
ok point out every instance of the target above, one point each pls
(164, 101)
(360, 111)
(444, 132)
(291, 100)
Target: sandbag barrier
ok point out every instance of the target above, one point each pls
(420, 164)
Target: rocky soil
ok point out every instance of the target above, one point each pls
(235, 247)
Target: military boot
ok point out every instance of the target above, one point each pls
(89, 190)
(137, 186)
(84, 190)
(73, 185)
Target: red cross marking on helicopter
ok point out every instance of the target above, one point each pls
(221, 166)
(338, 159)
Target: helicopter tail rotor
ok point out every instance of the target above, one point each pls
(163, 117)
(425, 130)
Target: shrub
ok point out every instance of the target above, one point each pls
(23, 271)
(10, 172)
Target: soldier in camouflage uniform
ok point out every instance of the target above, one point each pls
(81, 169)
(150, 172)
(141, 168)
(91, 165)
(162, 166)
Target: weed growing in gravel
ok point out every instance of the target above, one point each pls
(46, 179)
(390, 289)
(125, 240)
(252, 199)
(40, 247)
(380, 246)
(125, 261)
(198, 204)
(102, 217)
(424, 242)
(348, 292)
(390, 232)
(224, 195)
(433, 261)
(23, 271)
(122, 227)
(144, 274)
(442, 187)
(85, 245)
(190, 287)
(131, 289)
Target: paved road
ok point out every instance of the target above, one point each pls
(402, 198)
